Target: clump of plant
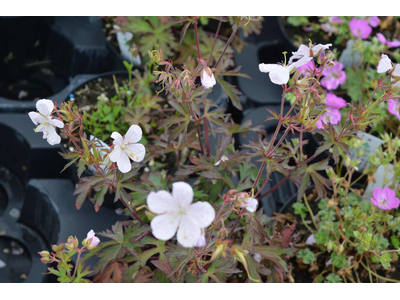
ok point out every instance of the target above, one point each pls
(351, 235)
(196, 222)
(359, 42)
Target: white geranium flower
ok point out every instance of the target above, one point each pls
(250, 204)
(207, 78)
(177, 213)
(278, 74)
(223, 158)
(385, 64)
(46, 122)
(126, 147)
(304, 54)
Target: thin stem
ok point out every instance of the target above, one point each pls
(207, 138)
(215, 39)
(275, 187)
(235, 28)
(197, 39)
(377, 275)
(197, 125)
(77, 263)
(310, 211)
(259, 174)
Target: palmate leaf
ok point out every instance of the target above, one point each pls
(231, 92)
(149, 31)
(220, 266)
(305, 173)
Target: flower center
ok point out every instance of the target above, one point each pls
(131, 154)
(336, 74)
(383, 202)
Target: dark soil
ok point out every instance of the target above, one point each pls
(110, 36)
(87, 96)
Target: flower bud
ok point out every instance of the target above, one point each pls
(72, 243)
(45, 260)
(44, 253)
(156, 56)
(207, 78)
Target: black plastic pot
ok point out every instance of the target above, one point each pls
(74, 45)
(266, 47)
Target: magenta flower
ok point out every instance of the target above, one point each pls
(332, 115)
(384, 41)
(335, 20)
(334, 76)
(334, 101)
(306, 69)
(385, 198)
(394, 108)
(373, 21)
(360, 28)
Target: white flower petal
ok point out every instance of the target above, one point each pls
(45, 107)
(133, 135)
(302, 61)
(116, 153)
(165, 226)
(162, 202)
(123, 163)
(208, 81)
(183, 193)
(118, 140)
(136, 152)
(202, 213)
(385, 64)
(52, 137)
(250, 204)
(279, 74)
(36, 118)
(189, 232)
(57, 123)
(320, 47)
(265, 68)
(396, 71)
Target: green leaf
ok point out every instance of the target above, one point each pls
(300, 209)
(385, 260)
(339, 261)
(306, 255)
(333, 278)
(231, 92)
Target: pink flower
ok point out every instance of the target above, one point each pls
(394, 107)
(334, 76)
(360, 28)
(332, 115)
(384, 41)
(94, 240)
(334, 101)
(306, 69)
(385, 198)
(335, 20)
(373, 21)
